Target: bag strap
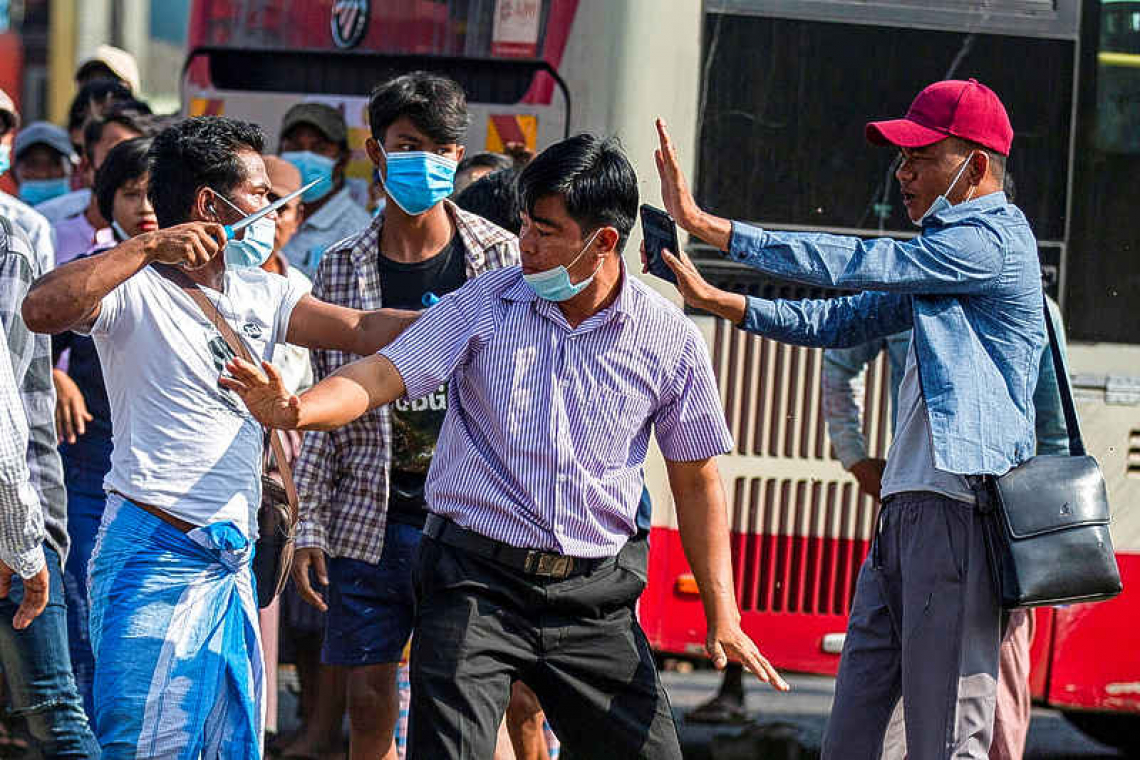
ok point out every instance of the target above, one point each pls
(188, 286)
(1072, 424)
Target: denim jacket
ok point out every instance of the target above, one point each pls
(969, 285)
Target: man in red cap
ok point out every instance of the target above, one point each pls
(925, 620)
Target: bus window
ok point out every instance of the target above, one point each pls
(1102, 271)
(1118, 78)
(784, 102)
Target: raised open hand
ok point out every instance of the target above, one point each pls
(264, 394)
(675, 192)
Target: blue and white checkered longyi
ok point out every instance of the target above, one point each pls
(178, 668)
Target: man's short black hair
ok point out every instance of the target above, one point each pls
(435, 104)
(485, 160)
(125, 162)
(494, 197)
(123, 114)
(592, 176)
(98, 96)
(194, 153)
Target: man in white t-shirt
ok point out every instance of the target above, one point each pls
(173, 612)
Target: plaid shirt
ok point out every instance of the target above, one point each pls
(342, 476)
(30, 355)
(21, 519)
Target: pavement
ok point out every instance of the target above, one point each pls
(807, 705)
(805, 711)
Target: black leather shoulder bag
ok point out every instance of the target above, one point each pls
(1048, 527)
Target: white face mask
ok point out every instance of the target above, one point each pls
(941, 203)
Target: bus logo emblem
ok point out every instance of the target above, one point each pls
(349, 22)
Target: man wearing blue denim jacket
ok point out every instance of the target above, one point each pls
(925, 621)
(841, 391)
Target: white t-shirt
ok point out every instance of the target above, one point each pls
(182, 442)
(293, 361)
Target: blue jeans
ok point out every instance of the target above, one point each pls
(38, 671)
(84, 513)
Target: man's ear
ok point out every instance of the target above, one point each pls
(205, 206)
(607, 241)
(460, 153)
(979, 166)
(372, 148)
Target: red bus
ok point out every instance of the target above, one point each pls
(766, 99)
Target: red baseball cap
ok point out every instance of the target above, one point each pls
(952, 107)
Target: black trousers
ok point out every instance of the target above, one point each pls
(576, 642)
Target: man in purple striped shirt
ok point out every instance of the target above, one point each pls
(556, 370)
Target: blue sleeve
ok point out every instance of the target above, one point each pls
(829, 322)
(942, 260)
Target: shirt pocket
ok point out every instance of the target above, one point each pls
(613, 422)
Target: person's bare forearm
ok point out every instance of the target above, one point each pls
(319, 324)
(730, 306)
(379, 328)
(703, 524)
(714, 230)
(349, 393)
(67, 295)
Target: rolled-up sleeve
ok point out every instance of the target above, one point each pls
(690, 423)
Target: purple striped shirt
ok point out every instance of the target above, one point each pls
(547, 426)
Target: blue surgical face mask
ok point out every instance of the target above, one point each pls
(256, 244)
(555, 285)
(417, 180)
(941, 203)
(5, 158)
(312, 166)
(35, 191)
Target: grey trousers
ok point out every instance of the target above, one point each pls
(925, 624)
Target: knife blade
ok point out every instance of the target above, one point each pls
(241, 224)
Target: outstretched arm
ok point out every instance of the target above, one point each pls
(959, 259)
(70, 295)
(828, 322)
(318, 324)
(332, 403)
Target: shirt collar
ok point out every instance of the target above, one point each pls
(971, 208)
(327, 214)
(477, 234)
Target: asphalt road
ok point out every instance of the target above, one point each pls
(807, 705)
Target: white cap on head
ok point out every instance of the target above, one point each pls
(121, 63)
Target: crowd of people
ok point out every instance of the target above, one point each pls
(467, 376)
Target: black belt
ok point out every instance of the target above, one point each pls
(530, 561)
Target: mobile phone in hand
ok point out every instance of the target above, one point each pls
(659, 232)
